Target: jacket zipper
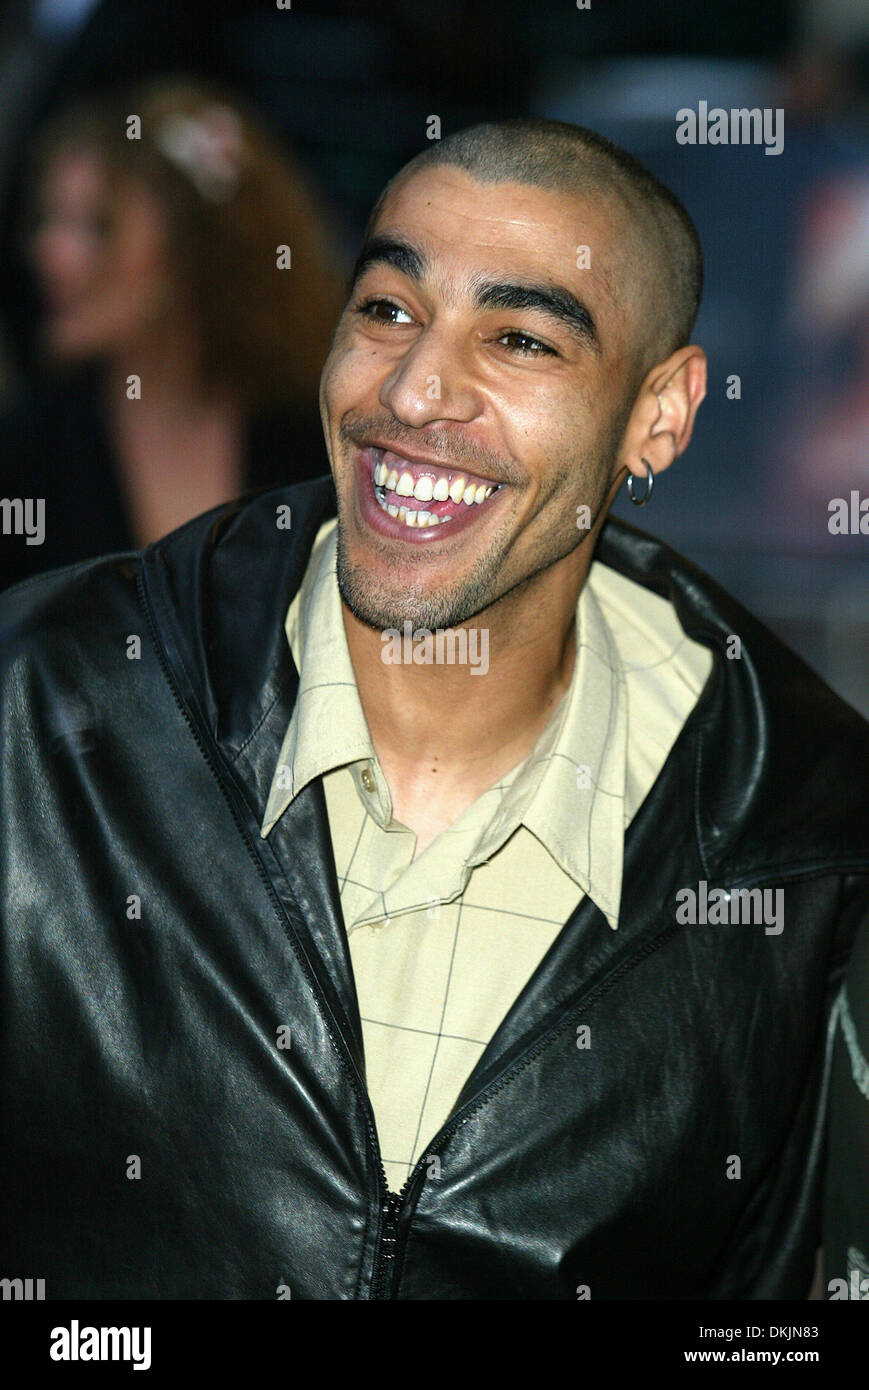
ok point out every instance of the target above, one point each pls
(383, 1279)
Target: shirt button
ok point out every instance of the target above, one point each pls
(367, 780)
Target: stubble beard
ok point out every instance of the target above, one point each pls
(446, 608)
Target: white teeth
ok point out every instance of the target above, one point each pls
(418, 517)
(404, 486)
(423, 490)
(413, 516)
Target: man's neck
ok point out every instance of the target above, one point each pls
(444, 734)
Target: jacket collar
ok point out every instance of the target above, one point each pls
(774, 764)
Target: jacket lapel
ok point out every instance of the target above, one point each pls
(220, 588)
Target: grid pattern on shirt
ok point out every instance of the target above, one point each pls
(441, 945)
(434, 978)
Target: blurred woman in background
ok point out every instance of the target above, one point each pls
(189, 299)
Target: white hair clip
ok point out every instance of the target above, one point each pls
(207, 147)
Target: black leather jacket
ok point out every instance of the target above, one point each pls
(157, 1142)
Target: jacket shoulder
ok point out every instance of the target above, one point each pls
(60, 618)
(781, 775)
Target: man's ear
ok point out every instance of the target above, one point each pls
(662, 420)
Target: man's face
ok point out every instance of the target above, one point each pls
(478, 365)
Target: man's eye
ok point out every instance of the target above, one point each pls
(382, 311)
(525, 345)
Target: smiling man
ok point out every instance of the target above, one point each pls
(347, 974)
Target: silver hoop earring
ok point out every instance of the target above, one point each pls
(650, 483)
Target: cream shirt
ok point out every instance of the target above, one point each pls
(441, 945)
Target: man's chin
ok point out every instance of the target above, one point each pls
(421, 610)
(383, 596)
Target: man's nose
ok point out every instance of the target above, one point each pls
(433, 380)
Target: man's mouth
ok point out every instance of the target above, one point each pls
(425, 495)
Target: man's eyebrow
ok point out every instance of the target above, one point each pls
(554, 300)
(388, 250)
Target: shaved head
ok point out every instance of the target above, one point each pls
(658, 255)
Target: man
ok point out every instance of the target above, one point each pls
(446, 902)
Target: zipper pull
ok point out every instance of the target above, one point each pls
(388, 1236)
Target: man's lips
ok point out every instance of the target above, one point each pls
(418, 497)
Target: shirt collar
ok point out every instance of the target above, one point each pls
(570, 792)
(327, 727)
